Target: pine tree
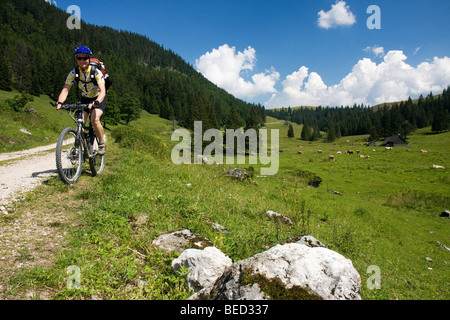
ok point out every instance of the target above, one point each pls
(251, 121)
(22, 69)
(130, 107)
(5, 69)
(331, 132)
(440, 120)
(290, 131)
(306, 132)
(112, 112)
(315, 134)
(233, 120)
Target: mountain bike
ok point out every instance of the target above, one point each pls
(75, 146)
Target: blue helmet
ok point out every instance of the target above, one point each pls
(83, 50)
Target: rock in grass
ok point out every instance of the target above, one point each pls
(238, 174)
(204, 266)
(277, 216)
(180, 241)
(310, 241)
(291, 271)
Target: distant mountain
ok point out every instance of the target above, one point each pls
(36, 55)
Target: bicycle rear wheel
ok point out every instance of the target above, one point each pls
(97, 163)
(69, 157)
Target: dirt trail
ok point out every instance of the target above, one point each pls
(29, 237)
(26, 170)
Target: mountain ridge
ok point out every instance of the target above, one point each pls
(38, 47)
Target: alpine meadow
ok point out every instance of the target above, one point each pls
(370, 182)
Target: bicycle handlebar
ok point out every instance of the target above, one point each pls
(67, 106)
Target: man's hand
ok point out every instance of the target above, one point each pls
(93, 104)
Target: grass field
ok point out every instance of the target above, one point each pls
(382, 211)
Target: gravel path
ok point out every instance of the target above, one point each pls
(25, 170)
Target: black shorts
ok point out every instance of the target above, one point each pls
(101, 106)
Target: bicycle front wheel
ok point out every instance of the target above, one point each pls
(97, 163)
(69, 157)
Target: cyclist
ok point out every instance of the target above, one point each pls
(91, 93)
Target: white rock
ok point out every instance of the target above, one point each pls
(278, 216)
(205, 266)
(181, 240)
(321, 272)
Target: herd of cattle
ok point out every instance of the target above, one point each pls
(349, 152)
(358, 152)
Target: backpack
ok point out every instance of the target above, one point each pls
(95, 64)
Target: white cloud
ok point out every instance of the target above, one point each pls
(368, 83)
(377, 51)
(223, 66)
(51, 2)
(339, 15)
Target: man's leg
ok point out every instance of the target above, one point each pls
(98, 128)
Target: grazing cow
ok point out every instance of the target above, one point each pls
(388, 148)
(423, 151)
(350, 152)
(361, 156)
(435, 166)
(338, 152)
(331, 157)
(367, 157)
(319, 151)
(358, 151)
(300, 152)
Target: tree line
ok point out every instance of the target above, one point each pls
(36, 55)
(379, 121)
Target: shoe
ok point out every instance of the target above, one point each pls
(101, 149)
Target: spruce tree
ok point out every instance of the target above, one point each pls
(5, 69)
(251, 121)
(233, 120)
(306, 132)
(331, 132)
(130, 107)
(22, 68)
(290, 131)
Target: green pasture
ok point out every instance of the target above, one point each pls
(379, 211)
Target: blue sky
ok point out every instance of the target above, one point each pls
(293, 52)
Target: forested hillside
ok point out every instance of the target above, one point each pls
(379, 121)
(36, 55)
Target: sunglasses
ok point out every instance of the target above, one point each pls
(82, 58)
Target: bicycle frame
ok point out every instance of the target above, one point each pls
(70, 158)
(82, 128)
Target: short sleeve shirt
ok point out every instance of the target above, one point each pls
(88, 89)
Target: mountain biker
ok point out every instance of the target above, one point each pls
(94, 95)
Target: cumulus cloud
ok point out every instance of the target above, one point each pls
(369, 83)
(225, 67)
(338, 15)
